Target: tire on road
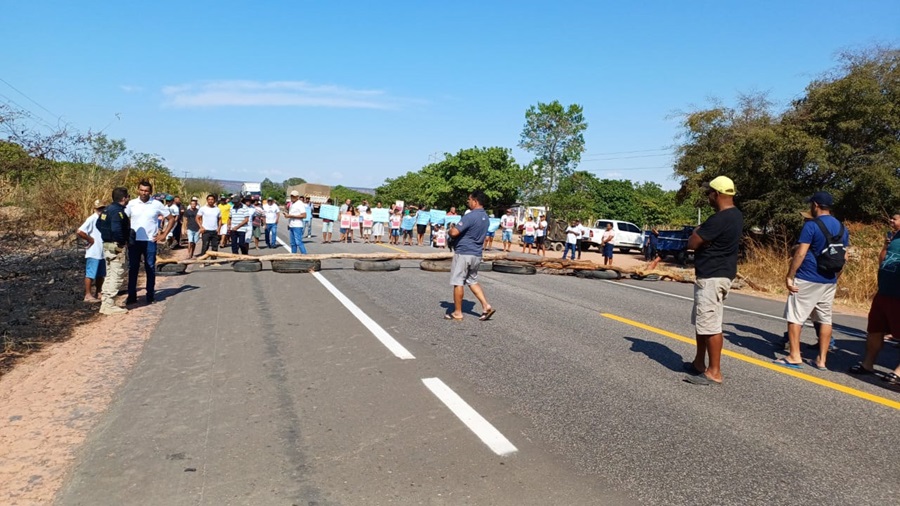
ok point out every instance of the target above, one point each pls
(435, 265)
(558, 246)
(376, 265)
(296, 266)
(648, 277)
(170, 269)
(513, 267)
(598, 274)
(485, 266)
(247, 266)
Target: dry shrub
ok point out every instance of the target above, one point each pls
(767, 264)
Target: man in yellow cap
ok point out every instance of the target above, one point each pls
(715, 244)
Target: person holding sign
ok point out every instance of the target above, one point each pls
(345, 225)
(328, 213)
(407, 225)
(422, 219)
(468, 235)
(528, 232)
(354, 224)
(378, 226)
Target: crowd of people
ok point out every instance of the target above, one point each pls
(130, 229)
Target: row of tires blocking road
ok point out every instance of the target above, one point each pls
(387, 265)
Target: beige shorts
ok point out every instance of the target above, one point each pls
(813, 300)
(709, 305)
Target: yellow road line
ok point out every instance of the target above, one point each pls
(391, 247)
(762, 363)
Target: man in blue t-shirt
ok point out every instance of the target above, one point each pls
(811, 289)
(468, 235)
(884, 315)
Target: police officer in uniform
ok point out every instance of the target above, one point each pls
(115, 229)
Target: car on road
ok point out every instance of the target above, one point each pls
(628, 235)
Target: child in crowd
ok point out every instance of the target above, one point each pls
(367, 225)
(440, 236)
(407, 225)
(354, 223)
(395, 227)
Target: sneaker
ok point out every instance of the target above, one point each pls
(112, 310)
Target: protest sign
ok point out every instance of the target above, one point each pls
(328, 212)
(437, 216)
(423, 217)
(494, 224)
(380, 215)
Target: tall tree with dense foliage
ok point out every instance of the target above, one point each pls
(555, 135)
(842, 136)
(448, 182)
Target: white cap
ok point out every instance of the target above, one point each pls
(295, 193)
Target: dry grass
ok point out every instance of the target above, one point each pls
(767, 265)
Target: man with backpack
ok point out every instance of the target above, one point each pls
(812, 278)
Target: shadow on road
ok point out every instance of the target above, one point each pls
(165, 293)
(660, 353)
(467, 307)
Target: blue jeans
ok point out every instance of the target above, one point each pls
(271, 234)
(569, 247)
(147, 249)
(239, 243)
(308, 227)
(297, 240)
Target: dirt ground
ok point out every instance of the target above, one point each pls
(51, 399)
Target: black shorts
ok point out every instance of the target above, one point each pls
(421, 228)
(539, 239)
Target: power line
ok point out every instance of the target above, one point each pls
(631, 169)
(31, 115)
(57, 116)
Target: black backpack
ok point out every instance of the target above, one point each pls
(832, 258)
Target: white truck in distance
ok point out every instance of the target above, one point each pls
(628, 235)
(251, 189)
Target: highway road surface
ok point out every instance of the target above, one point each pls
(348, 387)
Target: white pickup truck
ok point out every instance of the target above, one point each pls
(628, 235)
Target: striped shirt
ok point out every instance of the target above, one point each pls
(238, 215)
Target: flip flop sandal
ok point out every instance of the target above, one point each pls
(690, 369)
(701, 380)
(859, 370)
(891, 378)
(783, 362)
(812, 363)
(485, 316)
(449, 316)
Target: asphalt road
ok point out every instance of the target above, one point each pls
(264, 388)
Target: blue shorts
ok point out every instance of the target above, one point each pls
(507, 235)
(193, 236)
(490, 234)
(344, 230)
(529, 239)
(608, 250)
(95, 268)
(395, 232)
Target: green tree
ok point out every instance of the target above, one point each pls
(555, 135)
(292, 181)
(341, 193)
(575, 197)
(268, 188)
(448, 182)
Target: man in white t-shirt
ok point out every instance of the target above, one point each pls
(582, 235)
(295, 216)
(572, 234)
(144, 214)
(507, 224)
(606, 244)
(271, 210)
(95, 266)
(210, 219)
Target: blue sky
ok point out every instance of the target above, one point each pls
(352, 93)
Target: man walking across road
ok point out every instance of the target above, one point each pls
(884, 314)
(715, 244)
(115, 230)
(811, 282)
(144, 214)
(209, 218)
(295, 216)
(95, 265)
(468, 235)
